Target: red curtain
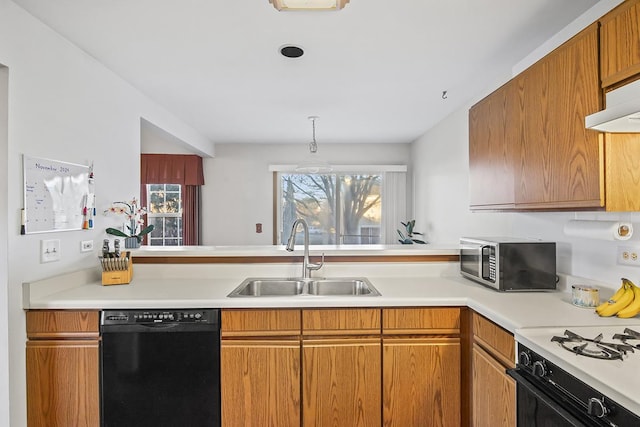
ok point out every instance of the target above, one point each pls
(191, 217)
(183, 169)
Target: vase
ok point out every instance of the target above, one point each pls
(131, 243)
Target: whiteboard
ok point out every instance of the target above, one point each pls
(54, 195)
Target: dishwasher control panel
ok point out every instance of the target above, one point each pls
(128, 317)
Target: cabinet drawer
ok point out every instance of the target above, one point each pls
(260, 322)
(62, 324)
(400, 321)
(358, 321)
(497, 341)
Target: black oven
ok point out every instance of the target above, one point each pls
(548, 396)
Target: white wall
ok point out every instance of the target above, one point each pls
(4, 248)
(441, 175)
(238, 190)
(441, 179)
(63, 105)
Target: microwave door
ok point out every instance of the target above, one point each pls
(471, 259)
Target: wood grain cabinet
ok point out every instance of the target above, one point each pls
(493, 145)
(260, 368)
(560, 159)
(493, 391)
(529, 136)
(341, 367)
(341, 382)
(421, 367)
(63, 362)
(620, 43)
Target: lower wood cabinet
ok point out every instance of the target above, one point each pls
(421, 367)
(63, 368)
(493, 391)
(260, 368)
(342, 367)
(260, 382)
(341, 382)
(421, 379)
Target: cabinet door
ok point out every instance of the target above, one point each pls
(63, 383)
(260, 383)
(494, 392)
(560, 160)
(421, 378)
(622, 154)
(341, 382)
(493, 143)
(620, 43)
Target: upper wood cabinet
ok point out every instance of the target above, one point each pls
(528, 146)
(620, 43)
(559, 162)
(493, 144)
(622, 171)
(63, 362)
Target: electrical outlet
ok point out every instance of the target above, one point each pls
(628, 255)
(86, 246)
(49, 250)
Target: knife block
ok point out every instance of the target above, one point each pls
(121, 276)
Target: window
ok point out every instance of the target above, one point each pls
(165, 213)
(340, 208)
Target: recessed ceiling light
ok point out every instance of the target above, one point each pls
(291, 51)
(309, 4)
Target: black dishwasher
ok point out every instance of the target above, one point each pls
(160, 368)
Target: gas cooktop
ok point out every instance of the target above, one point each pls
(606, 358)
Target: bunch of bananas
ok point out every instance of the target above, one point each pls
(624, 303)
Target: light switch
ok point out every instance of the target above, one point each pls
(49, 250)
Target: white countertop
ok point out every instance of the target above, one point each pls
(510, 310)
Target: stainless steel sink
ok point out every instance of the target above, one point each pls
(269, 288)
(286, 287)
(342, 287)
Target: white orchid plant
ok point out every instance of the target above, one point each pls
(134, 214)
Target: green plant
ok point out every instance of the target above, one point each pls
(408, 239)
(134, 214)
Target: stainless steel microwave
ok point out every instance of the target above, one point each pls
(508, 264)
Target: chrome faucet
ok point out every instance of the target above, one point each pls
(307, 267)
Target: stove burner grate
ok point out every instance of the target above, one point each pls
(595, 348)
(629, 335)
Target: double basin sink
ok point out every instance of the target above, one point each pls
(277, 287)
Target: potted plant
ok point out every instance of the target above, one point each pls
(134, 214)
(408, 239)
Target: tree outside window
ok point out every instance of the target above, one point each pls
(165, 213)
(339, 208)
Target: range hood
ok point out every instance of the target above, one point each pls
(622, 114)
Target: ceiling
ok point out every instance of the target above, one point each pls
(373, 72)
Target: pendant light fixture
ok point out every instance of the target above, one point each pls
(313, 164)
(284, 5)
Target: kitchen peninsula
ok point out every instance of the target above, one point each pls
(413, 281)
